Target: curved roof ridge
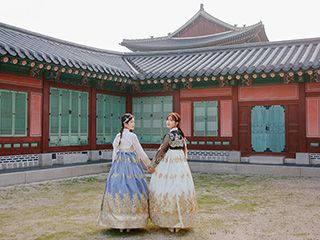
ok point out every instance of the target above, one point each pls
(227, 47)
(49, 38)
(203, 36)
(145, 39)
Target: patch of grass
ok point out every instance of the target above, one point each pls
(301, 234)
(210, 200)
(91, 179)
(217, 223)
(229, 185)
(244, 207)
(5, 216)
(54, 236)
(208, 181)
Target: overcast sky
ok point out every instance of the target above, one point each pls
(104, 23)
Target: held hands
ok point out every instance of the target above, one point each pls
(151, 169)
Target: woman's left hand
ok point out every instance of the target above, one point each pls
(151, 169)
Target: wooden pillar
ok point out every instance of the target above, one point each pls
(129, 103)
(45, 115)
(235, 118)
(92, 119)
(176, 101)
(302, 118)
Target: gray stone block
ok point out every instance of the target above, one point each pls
(192, 157)
(59, 159)
(90, 169)
(244, 160)
(47, 174)
(45, 159)
(290, 160)
(212, 167)
(94, 155)
(66, 172)
(247, 169)
(107, 154)
(234, 156)
(302, 158)
(72, 158)
(266, 159)
(8, 179)
(310, 172)
(9, 165)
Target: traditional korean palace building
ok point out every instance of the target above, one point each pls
(236, 91)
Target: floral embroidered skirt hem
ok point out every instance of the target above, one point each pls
(172, 199)
(125, 201)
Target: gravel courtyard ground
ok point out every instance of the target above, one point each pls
(230, 207)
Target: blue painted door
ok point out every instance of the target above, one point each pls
(268, 128)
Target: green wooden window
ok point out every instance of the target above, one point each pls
(150, 117)
(205, 118)
(13, 113)
(68, 117)
(109, 111)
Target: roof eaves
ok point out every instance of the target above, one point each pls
(224, 48)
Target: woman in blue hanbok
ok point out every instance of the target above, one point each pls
(125, 201)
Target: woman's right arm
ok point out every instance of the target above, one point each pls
(161, 151)
(115, 146)
(140, 152)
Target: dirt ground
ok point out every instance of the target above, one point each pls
(230, 207)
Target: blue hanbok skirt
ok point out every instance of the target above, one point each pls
(125, 200)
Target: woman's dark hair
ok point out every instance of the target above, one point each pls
(177, 118)
(124, 119)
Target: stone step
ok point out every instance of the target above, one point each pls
(267, 159)
(255, 169)
(30, 176)
(40, 175)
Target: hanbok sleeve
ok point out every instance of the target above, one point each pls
(185, 149)
(140, 152)
(115, 146)
(161, 151)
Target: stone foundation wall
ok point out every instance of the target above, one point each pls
(68, 158)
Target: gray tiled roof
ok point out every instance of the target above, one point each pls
(237, 35)
(260, 57)
(34, 46)
(249, 58)
(230, 35)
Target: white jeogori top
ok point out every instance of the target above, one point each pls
(129, 141)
